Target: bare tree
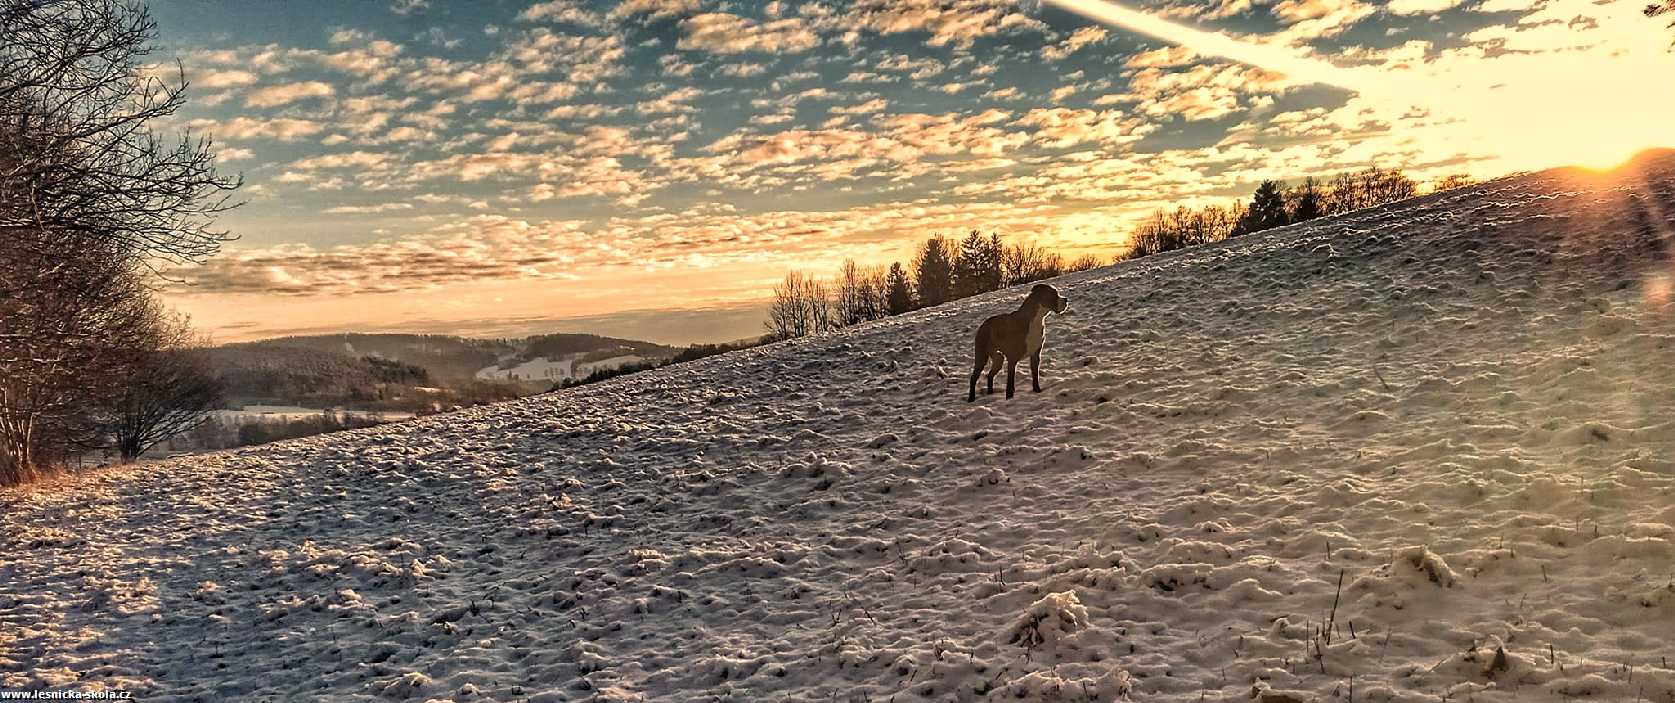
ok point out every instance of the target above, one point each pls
(861, 295)
(801, 306)
(1458, 180)
(91, 197)
(1344, 194)
(1082, 263)
(65, 348)
(77, 154)
(1380, 186)
(170, 392)
(875, 289)
(1027, 263)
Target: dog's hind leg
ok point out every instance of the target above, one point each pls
(1011, 375)
(1035, 371)
(982, 357)
(995, 361)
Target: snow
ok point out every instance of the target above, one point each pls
(1416, 453)
(582, 370)
(539, 368)
(271, 413)
(549, 369)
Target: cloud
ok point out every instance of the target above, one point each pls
(653, 9)
(957, 24)
(677, 100)
(407, 7)
(278, 95)
(741, 70)
(1162, 58)
(576, 59)
(283, 129)
(724, 33)
(899, 147)
(1420, 7)
(353, 159)
(224, 79)
(1316, 19)
(560, 11)
(485, 249)
(1202, 92)
(479, 248)
(410, 134)
(1060, 127)
(597, 176)
(866, 108)
(367, 209)
(1078, 39)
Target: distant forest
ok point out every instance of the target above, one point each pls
(1276, 205)
(944, 270)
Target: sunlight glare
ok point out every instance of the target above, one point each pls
(1594, 106)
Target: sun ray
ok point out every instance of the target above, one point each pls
(1300, 68)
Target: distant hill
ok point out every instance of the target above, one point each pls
(411, 371)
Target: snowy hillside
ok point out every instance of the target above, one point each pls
(1459, 407)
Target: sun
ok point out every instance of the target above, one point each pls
(1610, 158)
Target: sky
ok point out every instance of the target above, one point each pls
(650, 168)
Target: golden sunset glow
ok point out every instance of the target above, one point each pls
(565, 160)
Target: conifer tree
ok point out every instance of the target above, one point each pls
(1267, 210)
(899, 292)
(934, 272)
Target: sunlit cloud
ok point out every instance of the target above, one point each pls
(275, 96)
(724, 33)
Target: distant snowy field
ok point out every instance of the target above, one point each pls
(1460, 405)
(549, 369)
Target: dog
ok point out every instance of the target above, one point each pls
(1015, 335)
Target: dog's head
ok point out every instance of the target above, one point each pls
(1048, 296)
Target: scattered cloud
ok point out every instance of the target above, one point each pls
(1421, 7)
(275, 96)
(367, 209)
(724, 33)
(225, 79)
(560, 11)
(408, 7)
(956, 24)
(654, 9)
(1077, 39)
(283, 129)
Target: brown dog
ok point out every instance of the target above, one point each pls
(1015, 335)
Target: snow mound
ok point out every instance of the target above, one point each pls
(1054, 618)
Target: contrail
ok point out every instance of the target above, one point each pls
(1214, 44)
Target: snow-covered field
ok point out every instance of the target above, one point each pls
(1458, 407)
(272, 413)
(549, 369)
